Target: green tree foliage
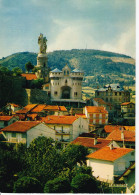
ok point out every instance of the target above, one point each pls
(92, 62)
(44, 161)
(16, 71)
(29, 66)
(27, 185)
(37, 83)
(10, 165)
(57, 185)
(74, 154)
(83, 183)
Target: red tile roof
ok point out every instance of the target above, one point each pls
(15, 105)
(62, 108)
(100, 101)
(96, 109)
(89, 142)
(26, 109)
(32, 116)
(29, 76)
(52, 119)
(129, 128)
(81, 115)
(116, 135)
(110, 128)
(21, 126)
(51, 108)
(109, 154)
(5, 118)
(126, 103)
(38, 108)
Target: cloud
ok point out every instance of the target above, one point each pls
(125, 43)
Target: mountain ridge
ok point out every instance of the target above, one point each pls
(94, 63)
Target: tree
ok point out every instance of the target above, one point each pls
(29, 66)
(10, 165)
(74, 154)
(16, 71)
(58, 185)
(37, 83)
(84, 183)
(27, 185)
(44, 161)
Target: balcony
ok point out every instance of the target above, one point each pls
(62, 133)
(16, 140)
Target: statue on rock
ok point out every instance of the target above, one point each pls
(42, 42)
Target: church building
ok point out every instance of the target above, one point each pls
(66, 86)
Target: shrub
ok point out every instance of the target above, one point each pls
(84, 183)
(58, 185)
(27, 185)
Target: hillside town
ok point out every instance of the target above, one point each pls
(104, 124)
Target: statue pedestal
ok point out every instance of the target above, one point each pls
(42, 60)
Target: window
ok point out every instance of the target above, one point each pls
(64, 72)
(115, 93)
(13, 134)
(98, 93)
(67, 72)
(75, 93)
(119, 93)
(66, 81)
(5, 123)
(23, 135)
(55, 93)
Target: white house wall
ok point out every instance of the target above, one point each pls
(102, 170)
(121, 164)
(39, 130)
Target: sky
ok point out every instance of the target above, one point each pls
(107, 25)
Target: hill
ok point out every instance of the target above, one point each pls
(100, 67)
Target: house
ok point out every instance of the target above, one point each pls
(67, 127)
(108, 129)
(13, 108)
(128, 112)
(7, 120)
(93, 144)
(113, 93)
(55, 110)
(124, 138)
(26, 131)
(97, 115)
(39, 109)
(22, 113)
(74, 111)
(129, 178)
(29, 77)
(108, 106)
(108, 163)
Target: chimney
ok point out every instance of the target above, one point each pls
(122, 134)
(95, 141)
(111, 146)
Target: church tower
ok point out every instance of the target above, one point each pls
(42, 67)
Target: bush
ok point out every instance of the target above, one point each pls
(27, 185)
(83, 183)
(58, 185)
